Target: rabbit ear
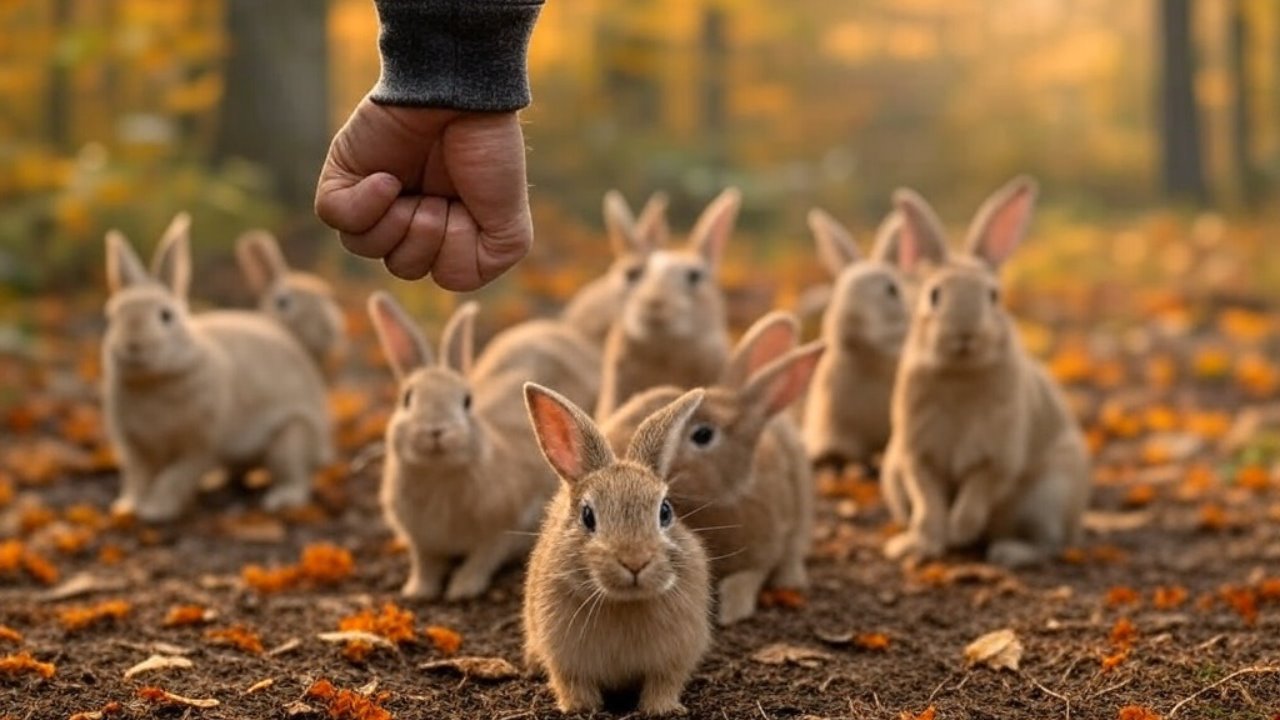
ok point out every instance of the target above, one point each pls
(656, 441)
(620, 224)
(171, 263)
(715, 225)
(771, 337)
(784, 380)
(651, 227)
(921, 239)
(124, 269)
(1002, 221)
(836, 248)
(403, 344)
(888, 239)
(457, 343)
(569, 439)
(260, 259)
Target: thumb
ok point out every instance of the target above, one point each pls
(351, 204)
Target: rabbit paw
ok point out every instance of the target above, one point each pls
(1014, 554)
(286, 497)
(124, 505)
(417, 588)
(464, 586)
(662, 698)
(966, 524)
(572, 697)
(911, 545)
(158, 509)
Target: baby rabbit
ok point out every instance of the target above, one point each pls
(189, 394)
(672, 329)
(740, 476)
(617, 595)
(462, 481)
(984, 446)
(846, 416)
(593, 308)
(301, 302)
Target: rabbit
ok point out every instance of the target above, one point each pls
(984, 447)
(672, 329)
(462, 481)
(846, 414)
(188, 394)
(617, 596)
(593, 308)
(300, 301)
(741, 477)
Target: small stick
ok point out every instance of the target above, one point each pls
(1257, 670)
(1051, 693)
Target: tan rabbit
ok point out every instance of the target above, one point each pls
(593, 308)
(741, 478)
(985, 448)
(673, 328)
(617, 595)
(462, 481)
(300, 301)
(846, 415)
(187, 394)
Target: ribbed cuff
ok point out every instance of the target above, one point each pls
(458, 54)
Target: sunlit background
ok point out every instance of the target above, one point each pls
(1136, 116)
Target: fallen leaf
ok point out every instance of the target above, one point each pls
(84, 583)
(1124, 633)
(784, 654)
(111, 709)
(77, 618)
(1121, 595)
(183, 615)
(8, 634)
(929, 713)
(445, 640)
(24, 664)
(237, 636)
(345, 704)
(999, 650)
(157, 696)
(157, 662)
(1137, 712)
(479, 668)
(348, 636)
(260, 685)
(1169, 598)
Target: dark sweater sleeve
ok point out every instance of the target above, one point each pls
(459, 54)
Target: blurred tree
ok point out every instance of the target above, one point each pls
(1182, 167)
(1242, 78)
(275, 111)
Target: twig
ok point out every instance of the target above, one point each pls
(1049, 692)
(1111, 688)
(760, 707)
(1257, 670)
(938, 689)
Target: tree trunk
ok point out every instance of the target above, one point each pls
(276, 107)
(1182, 168)
(59, 98)
(1242, 131)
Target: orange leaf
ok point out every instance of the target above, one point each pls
(1113, 661)
(1137, 712)
(929, 714)
(239, 637)
(1124, 633)
(1169, 598)
(183, 615)
(24, 664)
(1212, 517)
(445, 640)
(1253, 477)
(346, 704)
(1243, 601)
(872, 641)
(782, 597)
(10, 635)
(76, 618)
(1140, 495)
(1120, 595)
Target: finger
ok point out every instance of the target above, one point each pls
(354, 205)
(456, 268)
(413, 258)
(386, 233)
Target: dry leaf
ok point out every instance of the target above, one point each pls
(783, 654)
(156, 695)
(23, 664)
(157, 662)
(929, 714)
(260, 685)
(999, 650)
(445, 640)
(479, 668)
(343, 636)
(84, 584)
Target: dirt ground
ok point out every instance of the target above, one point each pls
(1183, 544)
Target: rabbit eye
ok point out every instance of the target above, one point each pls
(588, 518)
(665, 513)
(633, 274)
(466, 401)
(703, 435)
(282, 302)
(166, 315)
(995, 296)
(935, 296)
(694, 277)
(408, 397)
(891, 290)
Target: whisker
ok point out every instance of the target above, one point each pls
(715, 527)
(700, 508)
(727, 555)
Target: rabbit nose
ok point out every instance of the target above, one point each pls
(133, 347)
(635, 564)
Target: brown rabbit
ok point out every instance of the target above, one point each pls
(302, 302)
(673, 329)
(846, 415)
(984, 446)
(617, 595)
(593, 308)
(741, 478)
(462, 481)
(190, 394)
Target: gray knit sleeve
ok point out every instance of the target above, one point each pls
(459, 54)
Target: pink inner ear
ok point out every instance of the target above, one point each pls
(909, 254)
(792, 383)
(559, 436)
(396, 341)
(775, 341)
(1007, 226)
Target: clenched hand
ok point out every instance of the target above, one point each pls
(429, 191)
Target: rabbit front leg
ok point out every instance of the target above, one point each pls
(971, 512)
(289, 462)
(134, 479)
(574, 694)
(173, 488)
(739, 594)
(426, 575)
(473, 576)
(661, 694)
(926, 536)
